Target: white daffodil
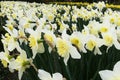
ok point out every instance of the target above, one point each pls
(10, 39)
(78, 40)
(110, 38)
(22, 37)
(5, 58)
(63, 26)
(106, 26)
(50, 39)
(100, 5)
(93, 27)
(111, 75)
(24, 23)
(94, 43)
(11, 42)
(20, 64)
(65, 48)
(35, 42)
(43, 75)
(41, 23)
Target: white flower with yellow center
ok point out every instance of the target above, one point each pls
(22, 37)
(78, 40)
(100, 5)
(5, 58)
(110, 38)
(20, 64)
(93, 27)
(63, 26)
(24, 23)
(106, 26)
(43, 75)
(65, 49)
(11, 42)
(94, 43)
(50, 39)
(35, 41)
(111, 75)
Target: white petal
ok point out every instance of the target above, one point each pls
(18, 47)
(74, 53)
(34, 51)
(106, 75)
(83, 49)
(30, 31)
(2, 55)
(43, 75)
(100, 42)
(57, 76)
(49, 49)
(11, 46)
(66, 59)
(41, 48)
(97, 51)
(15, 33)
(64, 35)
(23, 54)
(20, 73)
(117, 44)
(117, 67)
(8, 30)
(14, 65)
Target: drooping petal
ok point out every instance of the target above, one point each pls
(43, 75)
(74, 53)
(117, 67)
(66, 59)
(34, 51)
(106, 75)
(18, 47)
(57, 76)
(117, 44)
(20, 73)
(97, 51)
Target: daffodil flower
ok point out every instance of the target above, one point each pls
(11, 42)
(94, 43)
(50, 39)
(43, 75)
(35, 42)
(5, 58)
(20, 64)
(111, 75)
(78, 40)
(65, 48)
(110, 38)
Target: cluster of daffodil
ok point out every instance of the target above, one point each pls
(86, 3)
(56, 26)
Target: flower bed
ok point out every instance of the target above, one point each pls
(60, 42)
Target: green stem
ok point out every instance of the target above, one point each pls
(68, 72)
(95, 75)
(50, 61)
